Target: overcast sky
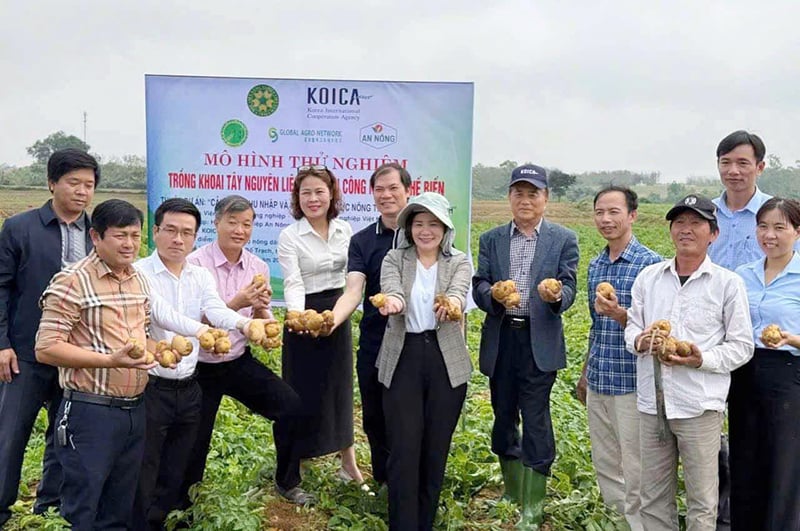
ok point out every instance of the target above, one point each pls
(648, 86)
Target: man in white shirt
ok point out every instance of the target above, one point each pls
(173, 396)
(706, 305)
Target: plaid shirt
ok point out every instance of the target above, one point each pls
(89, 306)
(521, 251)
(612, 369)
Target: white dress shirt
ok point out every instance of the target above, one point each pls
(420, 315)
(194, 294)
(309, 263)
(709, 310)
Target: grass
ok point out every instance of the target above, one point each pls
(237, 491)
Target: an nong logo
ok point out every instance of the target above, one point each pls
(378, 135)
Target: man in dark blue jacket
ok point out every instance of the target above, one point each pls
(34, 246)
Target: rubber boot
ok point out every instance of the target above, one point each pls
(534, 489)
(512, 479)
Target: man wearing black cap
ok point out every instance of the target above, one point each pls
(681, 398)
(522, 342)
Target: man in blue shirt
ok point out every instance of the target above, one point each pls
(610, 370)
(740, 160)
(390, 185)
(34, 246)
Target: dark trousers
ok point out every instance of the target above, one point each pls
(173, 416)
(35, 386)
(372, 410)
(260, 390)
(422, 411)
(764, 426)
(518, 386)
(101, 463)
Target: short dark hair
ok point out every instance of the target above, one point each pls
(177, 205)
(738, 138)
(333, 186)
(631, 199)
(64, 161)
(232, 204)
(405, 177)
(790, 209)
(115, 213)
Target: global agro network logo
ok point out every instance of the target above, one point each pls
(378, 135)
(262, 100)
(234, 133)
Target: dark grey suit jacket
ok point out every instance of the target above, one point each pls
(556, 256)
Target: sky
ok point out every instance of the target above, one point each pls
(581, 85)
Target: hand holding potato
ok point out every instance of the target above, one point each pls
(550, 290)
(505, 292)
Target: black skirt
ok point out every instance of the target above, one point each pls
(320, 370)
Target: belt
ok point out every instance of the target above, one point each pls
(101, 400)
(172, 383)
(517, 322)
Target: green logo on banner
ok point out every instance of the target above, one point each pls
(262, 100)
(234, 133)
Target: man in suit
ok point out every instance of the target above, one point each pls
(34, 246)
(522, 343)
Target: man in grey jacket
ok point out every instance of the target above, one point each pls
(522, 340)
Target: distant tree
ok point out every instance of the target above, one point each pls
(559, 182)
(42, 149)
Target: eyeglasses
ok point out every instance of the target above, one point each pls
(172, 232)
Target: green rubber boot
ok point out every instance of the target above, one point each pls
(512, 479)
(534, 489)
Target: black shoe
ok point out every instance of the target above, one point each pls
(296, 495)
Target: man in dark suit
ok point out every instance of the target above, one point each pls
(522, 340)
(34, 246)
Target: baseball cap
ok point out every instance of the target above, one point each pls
(696, 203)
(529, 173)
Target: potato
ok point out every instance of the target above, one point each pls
(312, 321)
(667, 348)
(138, 349)
(272, 329)
(259, 280)
(663, 326)
(168, 358)
(254, 331)
(771, 335)
(222, 345)
(453, 311)
(683, 348)
(271, 342)
(181, 345)
(207, 341)
(605, 290)
(327, 317)
(162, 345)
(378, 300)
(149, 358)
(512, 301)
(502, 289)
(551, 284)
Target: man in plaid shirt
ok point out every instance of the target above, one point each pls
(610, 370)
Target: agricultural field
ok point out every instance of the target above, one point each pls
(237, 492)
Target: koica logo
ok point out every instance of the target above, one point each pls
(378, 135)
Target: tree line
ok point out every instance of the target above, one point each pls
(488, 182)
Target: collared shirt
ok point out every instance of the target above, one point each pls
(611, 369)
(229, 279)
(368, 248)
(709, 310)
(522, 248)
(193, 294)
(309, 263)
(775, 303)
(73, 240)
(89, 306)
(736, 243)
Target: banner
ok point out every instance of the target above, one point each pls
(210, 137)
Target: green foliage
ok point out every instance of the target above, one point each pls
(559, 182)
(42, 149)
(780, 180)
